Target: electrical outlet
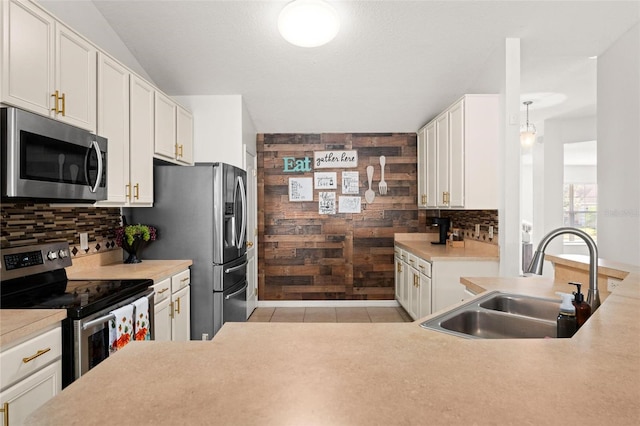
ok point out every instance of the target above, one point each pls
(491, 232)
(477, 230)
(84, 241)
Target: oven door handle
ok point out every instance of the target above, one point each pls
(235, 268)
(229, 296)
(97, 321)
(105, 318)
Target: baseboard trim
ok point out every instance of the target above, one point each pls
(327, 303)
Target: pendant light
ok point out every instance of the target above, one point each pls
(528, 131)
(308, 23)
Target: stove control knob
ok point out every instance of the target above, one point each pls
(63, 253)
(52, 255)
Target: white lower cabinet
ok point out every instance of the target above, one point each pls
(172, 308)
(31, 375)
(424, 287)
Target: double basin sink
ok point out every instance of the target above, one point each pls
(499, 315)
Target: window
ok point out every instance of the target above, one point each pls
(580, 206)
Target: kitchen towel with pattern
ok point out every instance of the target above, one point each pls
(141, 324)
(121, 327)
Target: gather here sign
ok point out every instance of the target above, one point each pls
(335, 159)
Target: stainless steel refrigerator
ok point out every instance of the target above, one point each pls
(201, 214)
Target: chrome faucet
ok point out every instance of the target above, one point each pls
(593, 296)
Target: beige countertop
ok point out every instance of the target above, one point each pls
(356, 374)
(106, 268)
(420, 245)
(16, 324)
(605, 267)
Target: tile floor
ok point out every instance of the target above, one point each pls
(346, 314)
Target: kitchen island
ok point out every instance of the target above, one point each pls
(352, 374)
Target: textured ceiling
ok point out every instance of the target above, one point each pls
(392, 66)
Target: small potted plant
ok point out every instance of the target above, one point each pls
(133, 239)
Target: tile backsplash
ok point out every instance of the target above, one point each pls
(28, 223)
(466, 220)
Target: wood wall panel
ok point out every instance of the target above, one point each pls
(307, 256)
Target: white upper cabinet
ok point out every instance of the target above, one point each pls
(165, 127)
(461, 149)
(174, 131)
(184, 139)
(46, 67)
(422, 171)
(113, 123)
(141, 140)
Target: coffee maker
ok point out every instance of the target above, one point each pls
(443, 224)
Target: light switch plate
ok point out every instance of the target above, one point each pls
(84, 241)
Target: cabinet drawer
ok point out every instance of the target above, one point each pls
(412, 260)
(424, 267)
(22, 360)
(163, 290)
(180, 280)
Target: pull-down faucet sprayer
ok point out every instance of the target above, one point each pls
(593, 295)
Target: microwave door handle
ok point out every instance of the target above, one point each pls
(243, 200)
(94, 145)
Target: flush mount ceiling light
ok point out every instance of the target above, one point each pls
(308, 23)
(527, 131)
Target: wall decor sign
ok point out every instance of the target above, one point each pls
(325, 180)
(293, 164)
(300, 189)
(349, 205)
(335, 159)
(350, 183)
(327, 203)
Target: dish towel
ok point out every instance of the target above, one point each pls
(120, 328)
(141, 315)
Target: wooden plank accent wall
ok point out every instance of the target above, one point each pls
(304, 255)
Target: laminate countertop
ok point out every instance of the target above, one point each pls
(421, 245)
(371, 374)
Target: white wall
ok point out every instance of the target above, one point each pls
(83, 17)
(619, 150)
(222, 127)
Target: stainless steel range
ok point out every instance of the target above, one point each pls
(33, 277)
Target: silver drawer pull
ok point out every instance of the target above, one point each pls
(36, 355)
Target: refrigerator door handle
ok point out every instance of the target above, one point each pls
(243, 200)
(229, 296)
(235, 268)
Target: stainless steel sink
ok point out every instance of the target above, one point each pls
(499, 315)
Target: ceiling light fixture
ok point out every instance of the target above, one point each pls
(308, 23)
(527, 131)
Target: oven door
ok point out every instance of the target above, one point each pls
(91, 335)
(48, 160)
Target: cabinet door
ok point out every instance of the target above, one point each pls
(165, 127)
(181, 322)
(414, 293)
(184, 138)
(456, 155)
(442, 152)
(431, 165)
(141, 100)
(162, 320)
(424, 308)
(399, 284)
(28, 395)
(27, 56)
(422, 168)
(75, 79)
(113, 123)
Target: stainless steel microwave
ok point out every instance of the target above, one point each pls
(49, 161)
